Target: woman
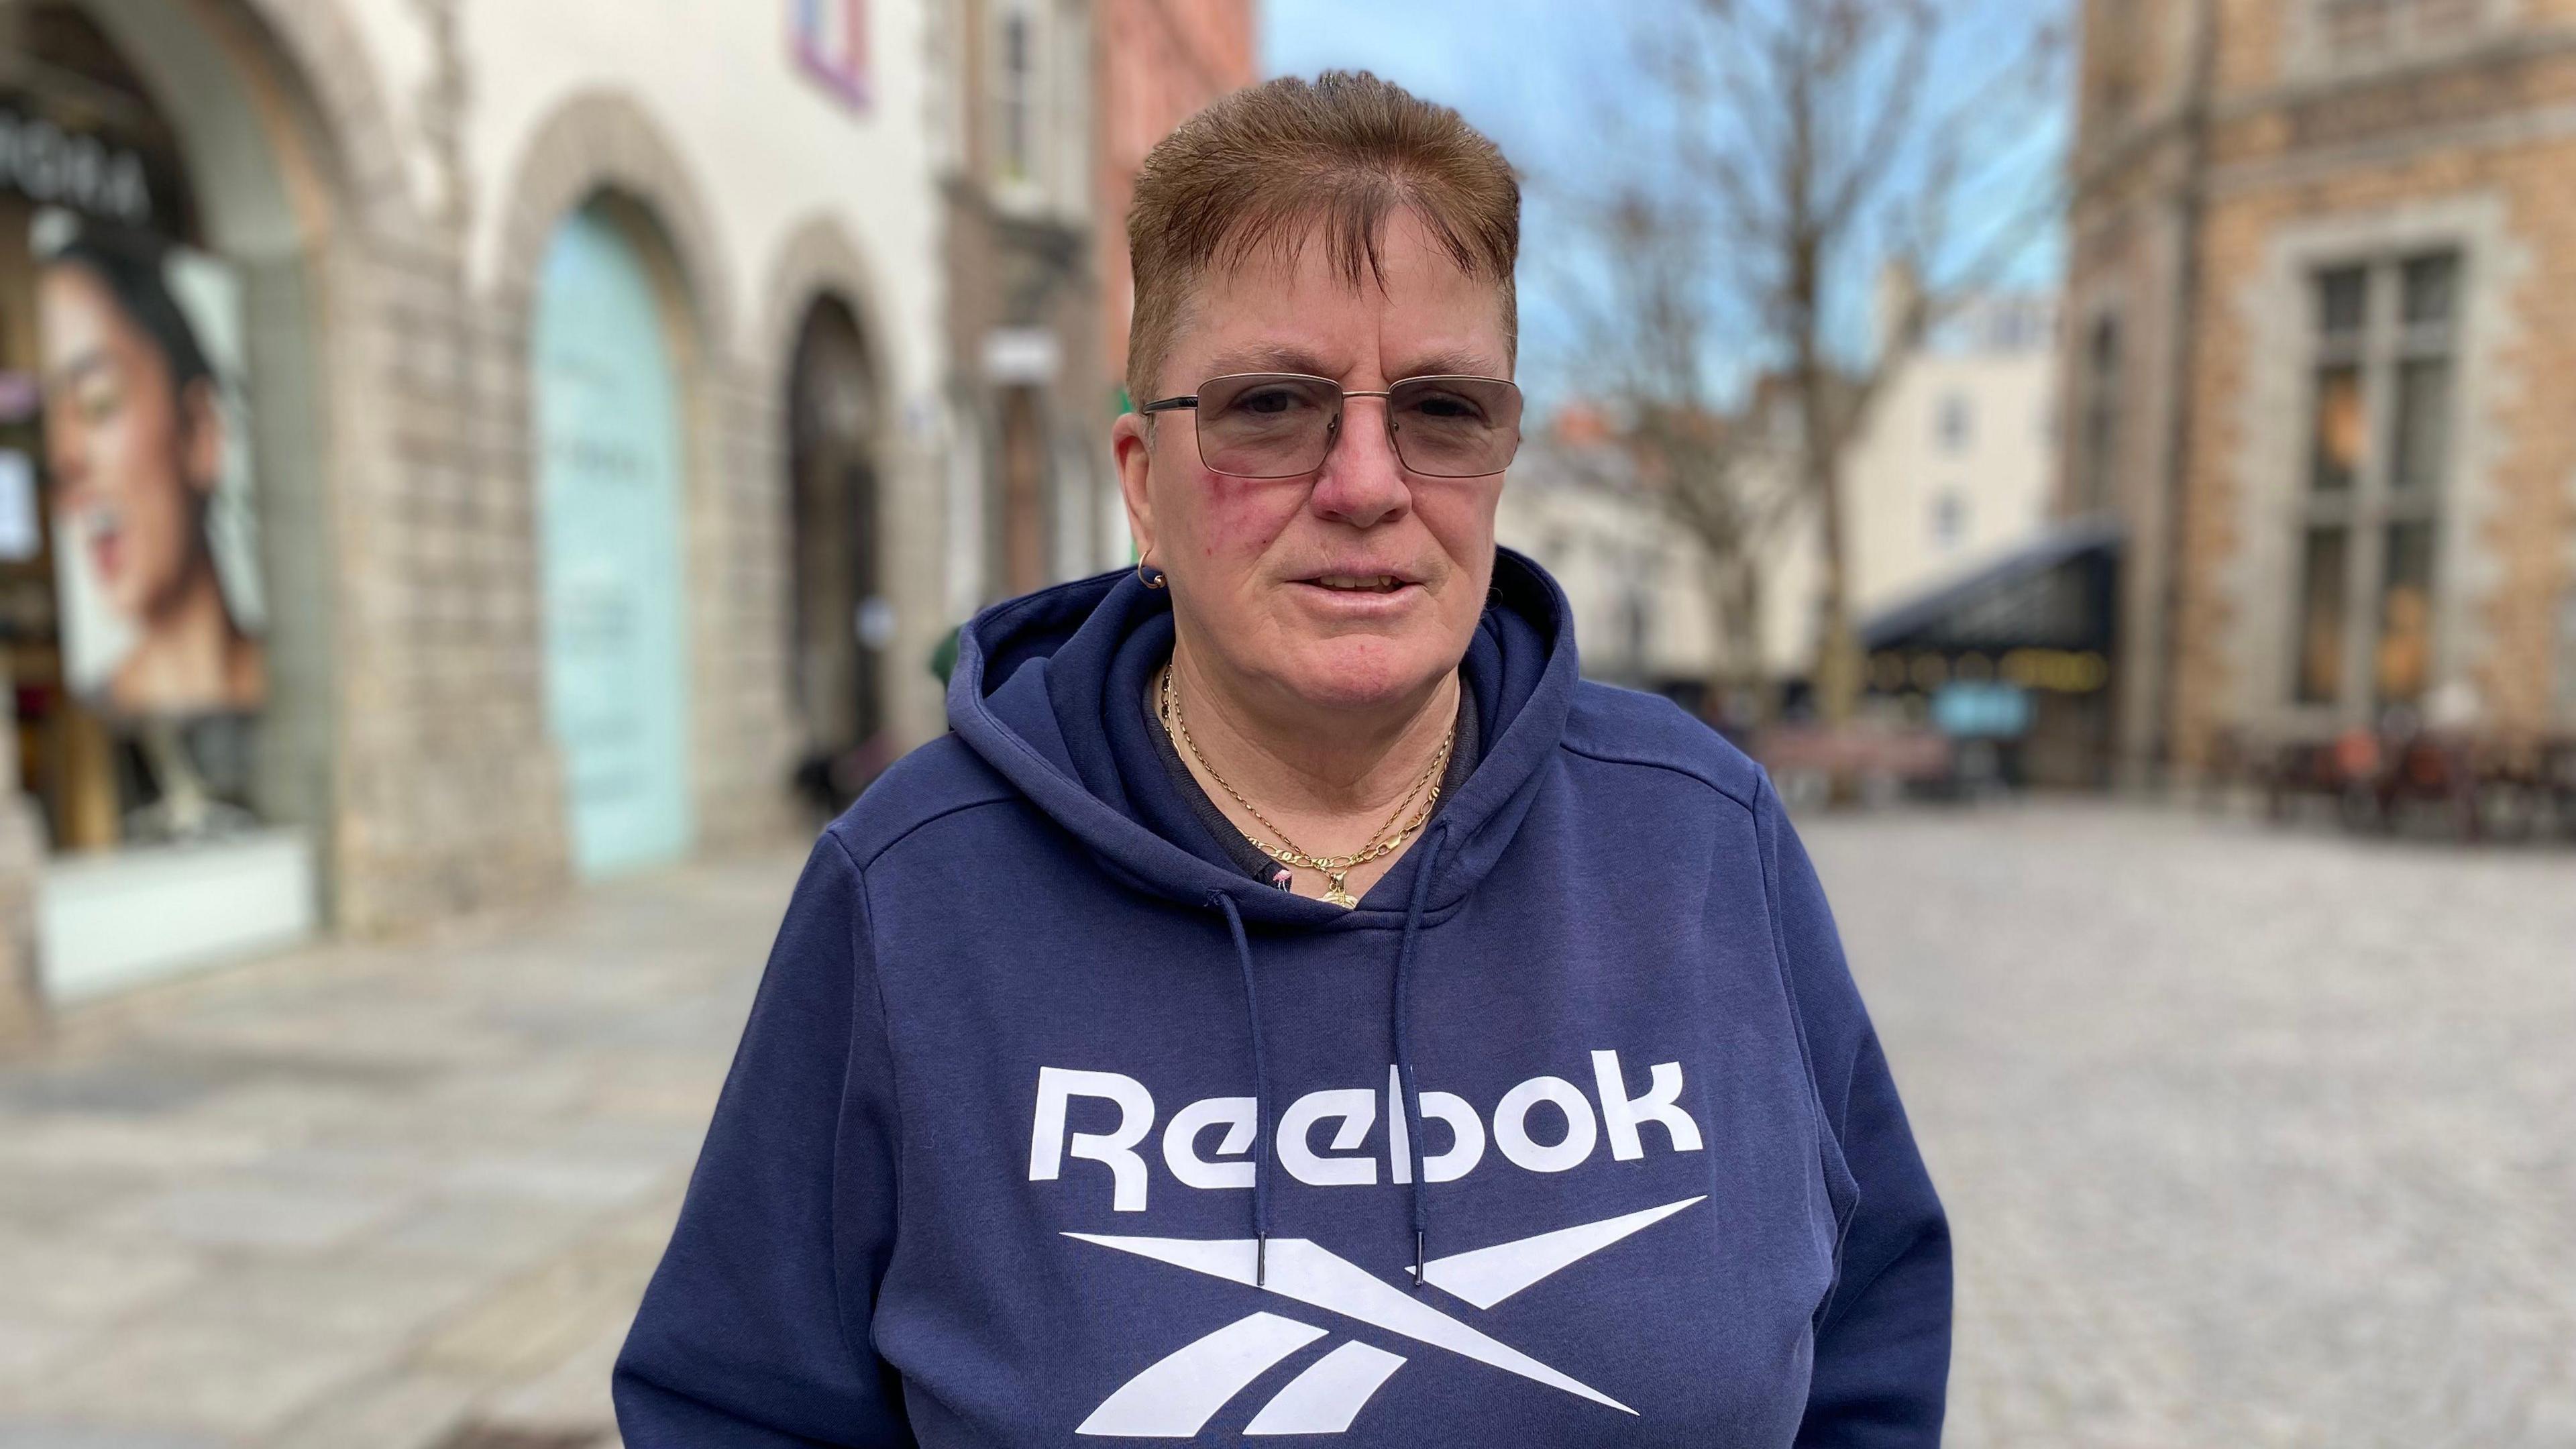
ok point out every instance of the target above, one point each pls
(1292, 1001)
(135, 445)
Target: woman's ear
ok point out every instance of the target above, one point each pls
(1131, 445)
(201, 436)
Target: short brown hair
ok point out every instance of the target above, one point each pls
(1271, 165)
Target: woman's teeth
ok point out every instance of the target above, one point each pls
(1363, 583)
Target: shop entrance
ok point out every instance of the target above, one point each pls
(842, 619)
(609, 454)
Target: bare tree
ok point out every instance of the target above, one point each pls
(1770, 163)
(1650, 338)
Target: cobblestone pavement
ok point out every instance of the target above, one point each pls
(369, 1197)
(2248, 1140)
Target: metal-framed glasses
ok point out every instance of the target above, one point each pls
(1282, 424)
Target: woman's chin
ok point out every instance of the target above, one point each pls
(1347, 676)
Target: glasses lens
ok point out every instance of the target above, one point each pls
(1455, 427)
(1266, 425)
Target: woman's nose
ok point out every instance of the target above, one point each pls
(1362, 482)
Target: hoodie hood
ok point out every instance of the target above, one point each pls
(1049, 691)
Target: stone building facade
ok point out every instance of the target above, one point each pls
(2321, 292)
(517, 570)
(1030, 497)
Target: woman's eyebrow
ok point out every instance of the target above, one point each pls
(71, 370)
(1270, 357)
(1446, 364)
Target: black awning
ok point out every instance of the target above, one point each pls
(2056, 592)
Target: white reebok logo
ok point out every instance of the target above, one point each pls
(1176, 1395)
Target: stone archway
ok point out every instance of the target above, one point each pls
(606, 144)
(820, 263)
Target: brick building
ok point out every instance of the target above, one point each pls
(1030, 496)
(562, 405)
(2322, 295)
(1161, 61)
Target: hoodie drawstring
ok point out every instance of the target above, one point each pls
(1402, 1032)
(1260, 1094)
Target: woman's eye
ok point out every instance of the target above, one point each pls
(98, 399)
(1446, 408)
(1267, 402)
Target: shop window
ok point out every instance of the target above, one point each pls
(2380, 429)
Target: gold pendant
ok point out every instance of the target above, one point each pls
(1338, 891)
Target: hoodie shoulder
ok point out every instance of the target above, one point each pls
(935, 780)
(1628, 727)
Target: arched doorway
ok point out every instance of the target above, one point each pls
(610, 454)
(841, 622)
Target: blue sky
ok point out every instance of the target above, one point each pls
(1534, 75)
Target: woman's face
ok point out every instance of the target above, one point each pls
(131, 457)
(1253, 563)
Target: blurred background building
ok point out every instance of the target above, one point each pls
(1028, 499)
(614, 407)
(1951, 478)
(2320, 290)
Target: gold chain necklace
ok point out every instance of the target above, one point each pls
(1335, 869)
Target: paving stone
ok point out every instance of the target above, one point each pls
(31, 1434)
(253, 1215)
(87, 1279)
(191, 1377)
(2241, 1132)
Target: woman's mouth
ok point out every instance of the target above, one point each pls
(1358, 583)
(106, 541)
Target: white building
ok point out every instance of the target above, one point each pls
(1953, 469)
(1951, 472)
(589, 357)
(1641, 614)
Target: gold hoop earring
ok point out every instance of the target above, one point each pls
(1149, 576)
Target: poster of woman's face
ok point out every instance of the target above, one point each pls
(149, 471)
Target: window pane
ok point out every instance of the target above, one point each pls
(2321, 577)
(2406, 614)
(2339, 429)
(2431, 290)
(2423, 424)
(2339, 299)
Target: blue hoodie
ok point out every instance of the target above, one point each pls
(1052, 1127)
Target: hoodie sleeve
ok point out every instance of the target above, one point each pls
(754, 1333)
(1883, 1338)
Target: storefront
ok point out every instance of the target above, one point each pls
(152, 387)
(2012, 663)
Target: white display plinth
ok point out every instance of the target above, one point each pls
(117, 919)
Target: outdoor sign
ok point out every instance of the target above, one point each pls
(50, 166)
(1981, 711)
(148, 461)
(830, 42)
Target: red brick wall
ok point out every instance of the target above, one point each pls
(1160, 62)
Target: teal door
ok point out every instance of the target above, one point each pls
(608, 501)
